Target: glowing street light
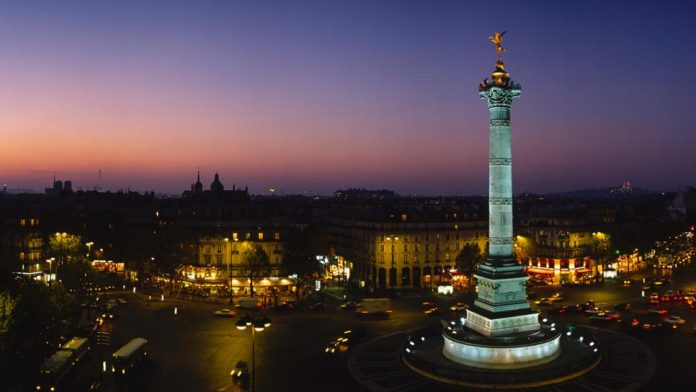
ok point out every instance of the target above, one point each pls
(259, 324)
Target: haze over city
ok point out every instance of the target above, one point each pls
(316, 96)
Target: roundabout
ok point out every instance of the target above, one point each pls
(621, 363)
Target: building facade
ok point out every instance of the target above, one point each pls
(561, 244)
(403, 250)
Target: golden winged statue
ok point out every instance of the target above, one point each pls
(497, 40)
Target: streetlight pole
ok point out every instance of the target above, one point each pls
(228, 255)
(89, 248)
(258, 325)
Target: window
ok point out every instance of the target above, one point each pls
(276, 236)
(260, 236)
(22, 222)
(235, 237)
(247, 236)
(218, 259)
(381, 248)
(206, 258)
(219, 248)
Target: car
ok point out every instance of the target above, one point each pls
(646, 325)
(600, 319)
(350, 305)
(557, 296)
(432, 311)
(428, 304)
(691, 292)
(611, 315)
(558, 310)
(122, 301)
(627, 282)
(543, 301)
(674, 320)
(287, 305)
(348, 338)
(646, 287)
(654, 299)
(224, 313)
(108, 315)
(459, 307)
(332, 347)
(592, 310)
(659, 312)
(240, 373)
(622, 306)
(317, 306)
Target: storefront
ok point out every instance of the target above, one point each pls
(548, 271)
(210, 283)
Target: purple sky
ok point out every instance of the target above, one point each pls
(316, 96)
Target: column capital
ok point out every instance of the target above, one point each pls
(499, 97)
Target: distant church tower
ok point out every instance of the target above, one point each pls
(198, 186)
(217, 187)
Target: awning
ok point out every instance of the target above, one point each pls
(540, 271)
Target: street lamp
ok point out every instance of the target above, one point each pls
(89, 248)
(228, 255)
(259, 324)
(392, 243)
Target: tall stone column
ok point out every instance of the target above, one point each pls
(501, 306)
(499, 100)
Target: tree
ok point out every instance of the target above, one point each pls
(33, 332)
(64, 245)
(600, 250)
(300, 257)
(256, 264)
(467, 259)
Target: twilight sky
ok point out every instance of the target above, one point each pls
(319, 95)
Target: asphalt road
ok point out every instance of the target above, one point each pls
(195, 351)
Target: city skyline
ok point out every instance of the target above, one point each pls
(318, 96)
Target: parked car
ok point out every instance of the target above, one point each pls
(459, 307)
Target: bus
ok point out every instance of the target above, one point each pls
(61, 363)
(79, 346)
(129, 356)
(54, 370)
